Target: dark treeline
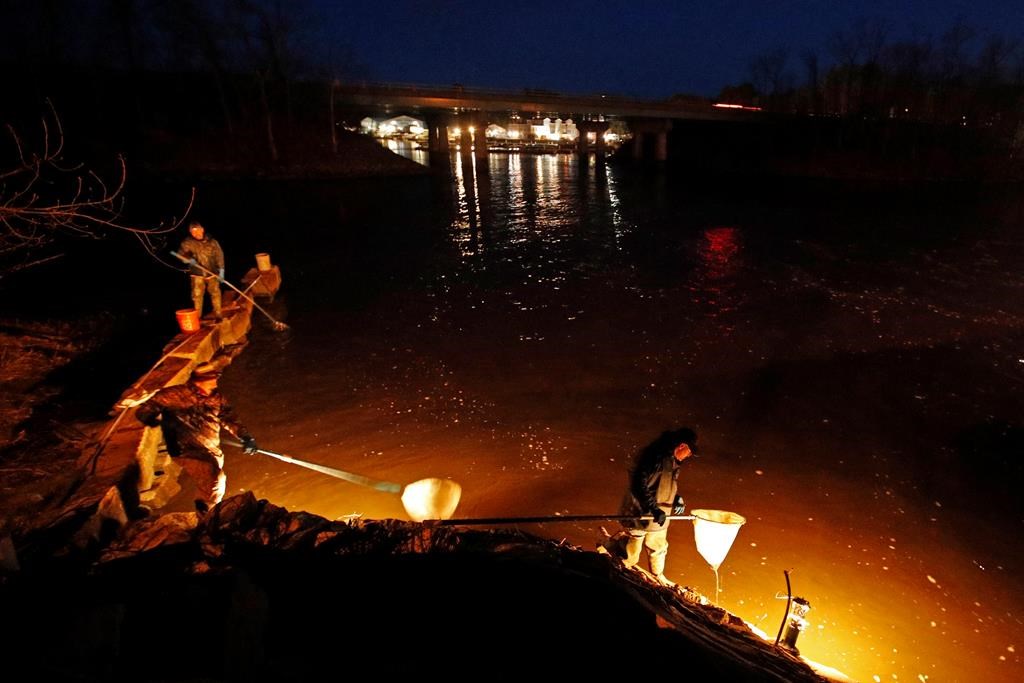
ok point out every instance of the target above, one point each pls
(962, 77)
(946, 107)
(101, 96)
(144, 75)
(244, 84)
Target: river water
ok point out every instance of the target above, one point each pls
(852, 362)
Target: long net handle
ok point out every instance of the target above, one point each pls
(386, 486)
(554, 518)
(248, 298)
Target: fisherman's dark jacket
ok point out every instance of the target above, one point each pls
(206, 252)
(653, 485)
(191, 421)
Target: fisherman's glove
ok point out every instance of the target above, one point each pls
(149, 419)
(249, 446)
(192, 262)
(220, 275)
(678, 506)
(659, 516)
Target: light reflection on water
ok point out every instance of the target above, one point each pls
(552, 317)
(519, 204)
(408, 149)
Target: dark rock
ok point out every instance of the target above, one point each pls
(252, 591)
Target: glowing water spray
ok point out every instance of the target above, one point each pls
(714, 532)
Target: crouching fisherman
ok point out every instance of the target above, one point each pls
(191, 417)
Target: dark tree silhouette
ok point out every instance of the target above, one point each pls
(43, 196)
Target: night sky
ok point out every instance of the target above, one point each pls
(643, 49)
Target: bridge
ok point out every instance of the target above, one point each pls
(471, 109)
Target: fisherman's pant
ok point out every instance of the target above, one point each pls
(209, 284)
(657, 548)
(207, 472)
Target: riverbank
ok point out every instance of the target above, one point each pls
(41, 436)
(264, 594)
(851, 152)
(247, 156)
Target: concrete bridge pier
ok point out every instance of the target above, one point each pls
(480, 140)
(642, 128)
(599, 128)
(465, 136)
(464, 122)
(473, 141)
(437, 142)
(437, 135)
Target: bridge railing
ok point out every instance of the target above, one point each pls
(539, 95)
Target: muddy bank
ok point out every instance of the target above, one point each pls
(300, 157)
(43, 427)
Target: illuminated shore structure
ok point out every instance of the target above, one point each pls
(513, 134)
(479, 120)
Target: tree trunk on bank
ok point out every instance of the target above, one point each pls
(219, 78)
(272, 146)
(334, 125)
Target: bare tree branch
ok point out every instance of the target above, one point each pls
(42, 198)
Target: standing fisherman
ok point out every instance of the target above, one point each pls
(653, 491)
(206, 261)
(191, 417)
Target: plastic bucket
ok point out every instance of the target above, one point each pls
(188, 320)
(263, 262)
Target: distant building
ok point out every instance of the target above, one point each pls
(398, 126)
(497, 132)
(556, 131)
(515, 132)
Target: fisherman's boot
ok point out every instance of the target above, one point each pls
(658, 566)
(634, 544)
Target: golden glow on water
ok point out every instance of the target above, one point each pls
(569, 313)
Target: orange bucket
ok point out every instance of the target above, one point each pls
(188, 320)
(263, 262)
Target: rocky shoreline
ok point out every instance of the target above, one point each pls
(251, 591)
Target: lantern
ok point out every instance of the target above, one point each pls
(796, 622)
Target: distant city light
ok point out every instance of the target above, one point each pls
(553, 134)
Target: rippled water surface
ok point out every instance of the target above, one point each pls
(854, 368)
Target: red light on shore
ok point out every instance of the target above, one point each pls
(724, 105)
